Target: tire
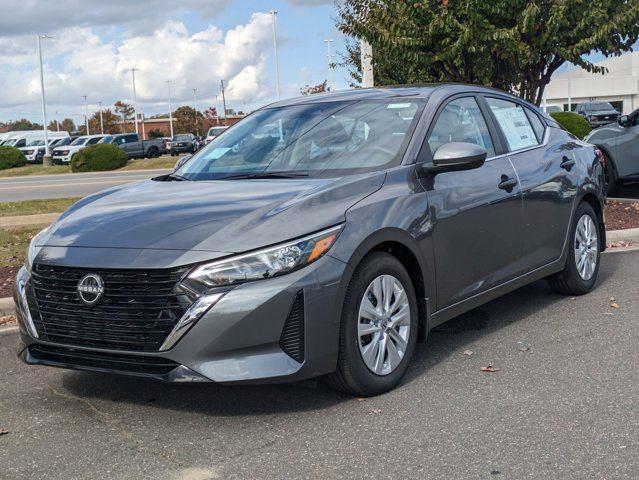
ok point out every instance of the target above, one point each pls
(570, 281)
(353, 375)
(610, 176)
(153, 153)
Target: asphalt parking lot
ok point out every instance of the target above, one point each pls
(564, 404)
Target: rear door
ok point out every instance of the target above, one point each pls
(476, 213)
(545, 164)
(627, 148)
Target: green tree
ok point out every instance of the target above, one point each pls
(515, 45)
(156, 133)
(187, 120)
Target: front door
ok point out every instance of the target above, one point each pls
(476, 213)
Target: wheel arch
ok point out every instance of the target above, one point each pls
(404, 248)
(593, 200)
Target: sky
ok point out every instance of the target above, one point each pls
(191, 43)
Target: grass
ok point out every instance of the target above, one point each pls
(14, 243)
(33, 207)
(165, 161)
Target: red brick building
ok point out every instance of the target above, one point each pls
(162, 124)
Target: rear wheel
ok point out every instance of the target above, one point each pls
(153, 153)
(378, 329)
(582, 265)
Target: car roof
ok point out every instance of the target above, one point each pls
(422, 91)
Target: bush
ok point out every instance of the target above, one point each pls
(11, 157)
(575, 124)
(97, 158)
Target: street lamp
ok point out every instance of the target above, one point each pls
(197, 127)
(135, 100)
(329, 57)
(277, 62)
(101, 121)
(86, 115)
(46, 161)
(168, 82)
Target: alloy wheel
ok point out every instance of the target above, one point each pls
(586, 247)
(383, 326)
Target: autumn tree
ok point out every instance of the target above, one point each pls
(514, 45)
(311, 89)
(67, 125)
(125, 111)
(187, 120)
(110, 120)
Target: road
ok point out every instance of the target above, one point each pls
(566, 408)
(67, 185)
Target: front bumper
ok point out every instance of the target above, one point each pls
(239, 340)
(180, 149)
(57, 158)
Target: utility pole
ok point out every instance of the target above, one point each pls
(135, 100)
(197, 126)
(366, 51)
(168, 82)
(569, 97)
(57, 124)
(86, 115)
(46, 161)
(101, 121)
(223, 101)
(329, 56)
(277, 61)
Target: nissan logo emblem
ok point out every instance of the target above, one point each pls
(91, 289)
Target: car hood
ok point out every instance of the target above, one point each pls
(601, 112)
(228, 216)
(71, 148)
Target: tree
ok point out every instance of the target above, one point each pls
(22, 124)
(125, 111)
(514, 45)
(312, 89)
(185, 119)
(67, 125)
(156, 133)
(111, 121)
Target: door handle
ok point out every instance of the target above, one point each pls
(567, 163)
(507, 183)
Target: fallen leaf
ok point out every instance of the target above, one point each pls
(614, 305)
(489, 369)
(468, 352)
(376, 411)
(3, 432)
(360, 399)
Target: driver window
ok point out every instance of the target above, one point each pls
(461, 121)
(635, 121)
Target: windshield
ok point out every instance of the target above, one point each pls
(35, 143)
(10, 142)
(215, 131)
(182, 138)
(94, 140)
(79, 141)
(106, 139)
(318, 139)
(599, 106)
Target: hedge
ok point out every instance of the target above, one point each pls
(11, 157)
(574, 123)
(97, 158)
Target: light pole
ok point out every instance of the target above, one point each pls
(57, 124)
(368, 78)
(101, 121)
(46, 161)
(86, 115)
(329, 57)
(197, 127)
(135, 100)
(223, 101)
(277, 61)
(168, 82)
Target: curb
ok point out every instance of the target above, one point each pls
(7, 307)
(54, 175)
(9, 329)
(628, 235)
(624, 200)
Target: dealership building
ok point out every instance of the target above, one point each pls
(620, 86)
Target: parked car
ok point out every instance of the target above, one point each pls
(379, 214)
(619, 143)
(182, 143)
(64, 154)
(34, 150)
(214, 132)
(598, 113)
(131, 144)
(553, 109)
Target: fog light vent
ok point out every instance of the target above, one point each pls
(292, 339)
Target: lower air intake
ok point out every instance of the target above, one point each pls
(292, 338)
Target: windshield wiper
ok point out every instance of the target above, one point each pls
(274, 174)
(178, 178)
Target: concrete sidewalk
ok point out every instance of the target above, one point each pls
(28, 220)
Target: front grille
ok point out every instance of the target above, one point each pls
(139, 308)
(292, 338)
(70, 357)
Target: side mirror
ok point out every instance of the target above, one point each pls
(623, 120)
(455, 156)
(181, 162)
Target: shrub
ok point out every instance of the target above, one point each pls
(575, 124)
(11, 157)
(97, 158)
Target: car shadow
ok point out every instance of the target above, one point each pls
(221, 400)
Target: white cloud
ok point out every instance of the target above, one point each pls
(80, 62)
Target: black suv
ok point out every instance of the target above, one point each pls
(598, 113)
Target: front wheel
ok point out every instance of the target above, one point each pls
(378, 329)
(582, 265)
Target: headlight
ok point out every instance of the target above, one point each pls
(262, 264)
(35, 246)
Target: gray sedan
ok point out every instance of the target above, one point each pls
(319, 237)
